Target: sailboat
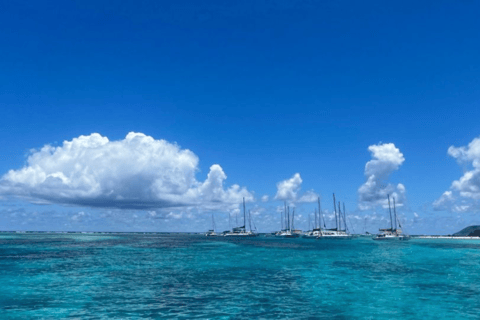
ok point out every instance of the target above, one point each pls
(283, 222)
(288, 232)
(309, 232)
(317, 229)
(241, 231)
(212, 233)
(393, 233)
(337, 232)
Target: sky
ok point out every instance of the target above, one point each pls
(156, 115)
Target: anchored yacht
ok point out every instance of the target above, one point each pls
(317, 229)
(241, 231)
(337, 232)
(211, 233)
(289, 231)
(392, 233)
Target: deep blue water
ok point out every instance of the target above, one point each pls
(121, 276)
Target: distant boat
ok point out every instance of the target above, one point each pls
(283, 220)
(241, 231)
(212, 233)
(317, 228)
(337, 232)
(393, 233)
(288, 232)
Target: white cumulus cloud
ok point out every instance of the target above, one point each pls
(309, 196)
(386, 159)
(138, 172)
(464, 193)
(288, 190)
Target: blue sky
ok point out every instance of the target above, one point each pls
(264, 89)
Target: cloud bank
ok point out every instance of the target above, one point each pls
(386, 159)
(464, 193)
(138, 172)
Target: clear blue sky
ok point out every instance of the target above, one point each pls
(265, 89)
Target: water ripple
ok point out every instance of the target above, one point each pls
(155, 276)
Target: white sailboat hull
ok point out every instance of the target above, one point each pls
(334, 234)
(287, 234)
(391, 238)
(240, 235)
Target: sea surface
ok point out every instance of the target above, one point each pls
(172, 276)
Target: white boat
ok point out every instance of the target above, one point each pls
(315, 233)
(392, 233)
(241, 232)
(388, 234)
(317, 230)
(211, 233)
(334, 234)
(337, 232)
(288, 232)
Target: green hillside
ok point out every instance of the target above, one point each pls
(472, 231)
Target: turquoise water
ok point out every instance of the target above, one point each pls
(46, 276)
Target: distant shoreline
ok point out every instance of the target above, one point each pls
(448, 237)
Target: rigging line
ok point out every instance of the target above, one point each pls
(345, 214)
(281, 220)
(390, 210)
(335, 211)
(250, 219)
(350, 221)
(320, 216)
(254, 226)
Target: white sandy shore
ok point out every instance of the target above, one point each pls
(447, 237)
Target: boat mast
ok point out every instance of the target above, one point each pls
(213, 223)
(345, 216)
(390, 210)
(281, 220)
(250, 219)
(395, 214)
(320, 216)
(244, 214)
(340, 217)
(315, 227)
(293, 219)
(288, 218)
(335, 211)
(285, 215)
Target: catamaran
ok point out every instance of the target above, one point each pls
(393, 233)
(337, 232)
(242, 231)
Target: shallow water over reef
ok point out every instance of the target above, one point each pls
(132, 276)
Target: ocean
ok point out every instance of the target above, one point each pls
(182, 276)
